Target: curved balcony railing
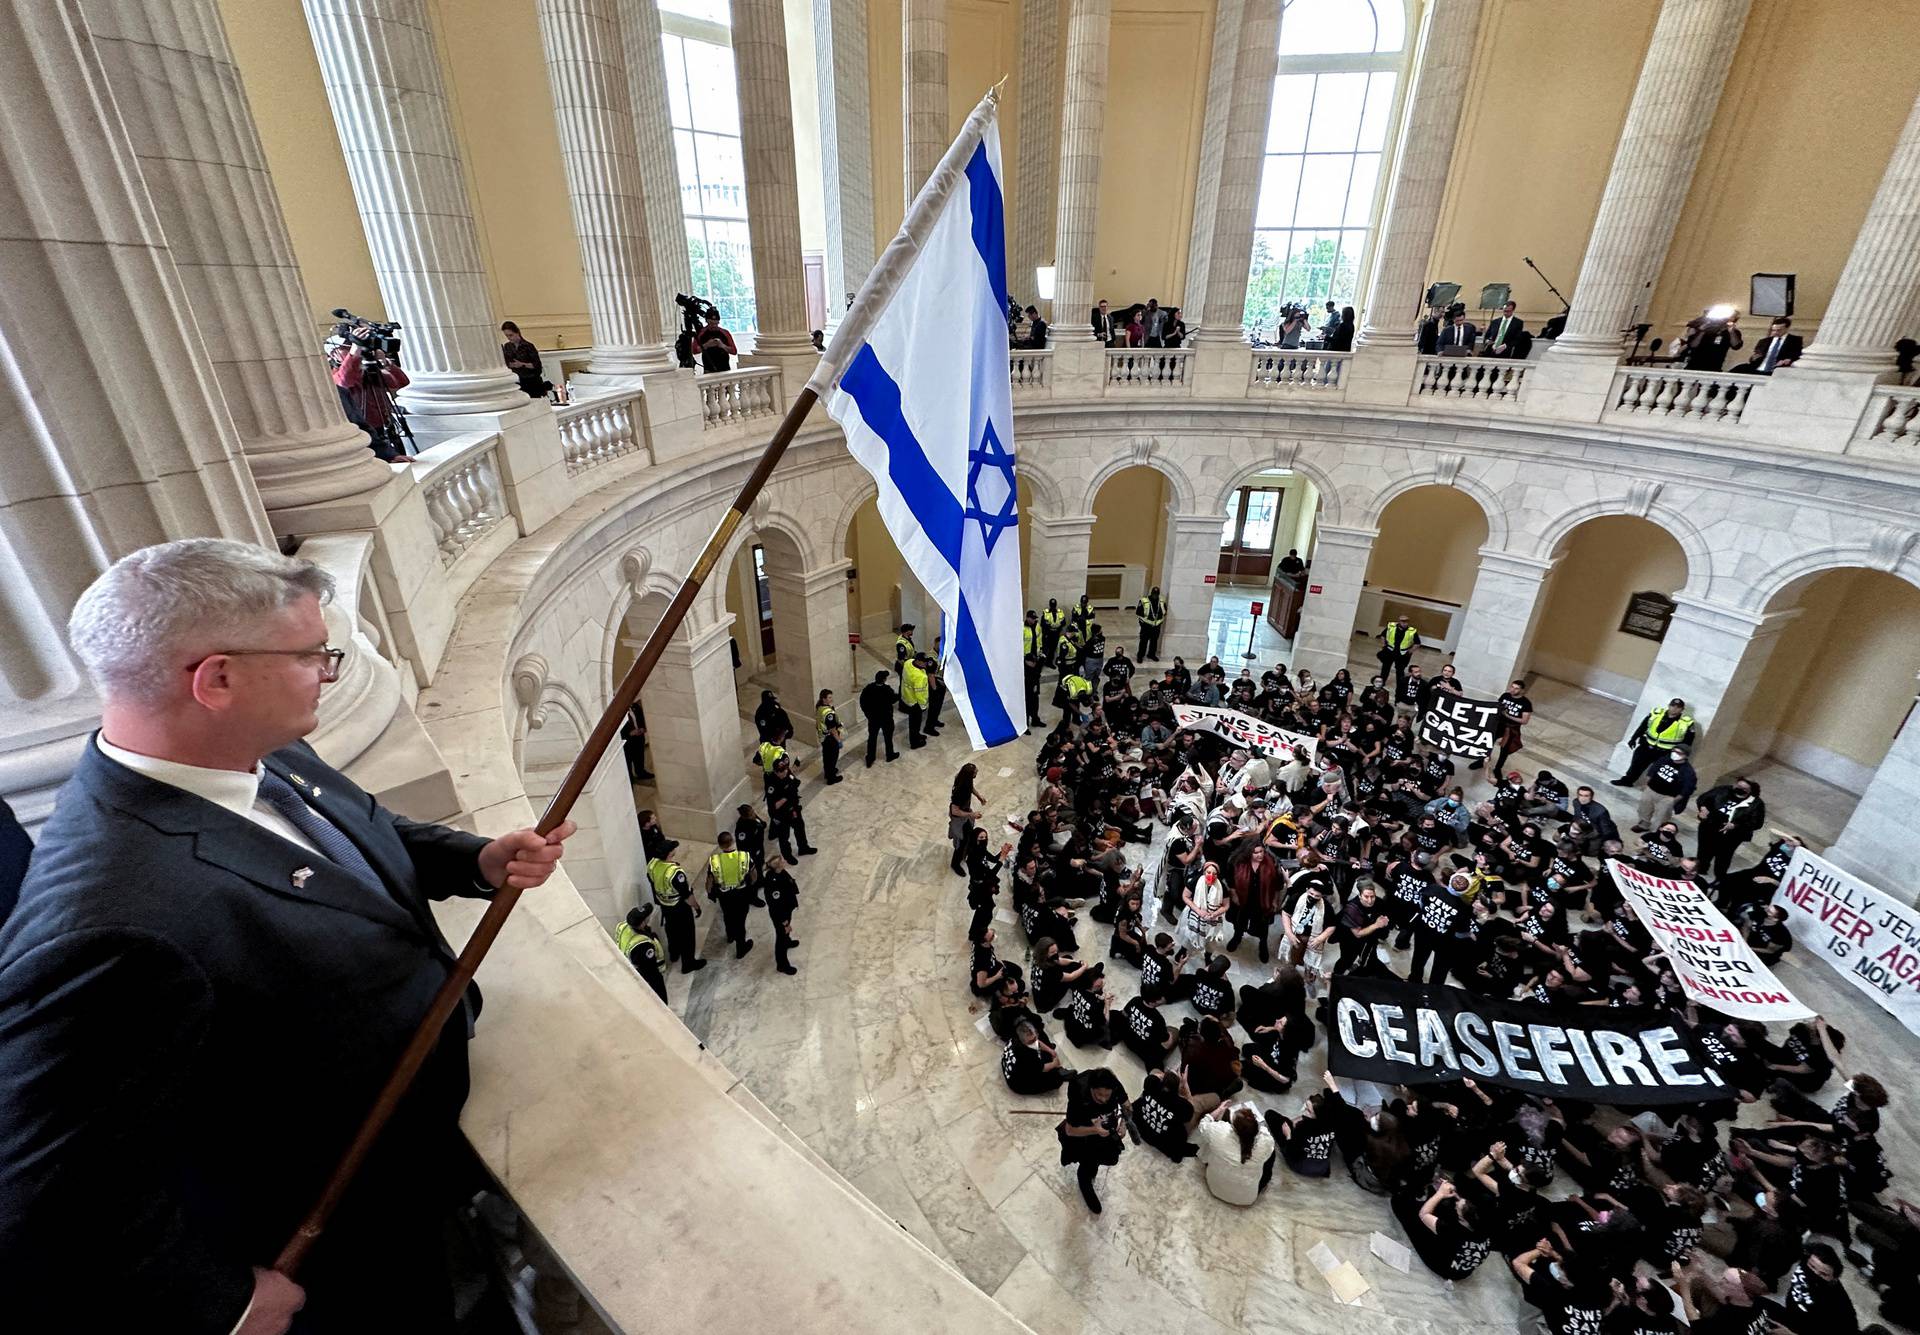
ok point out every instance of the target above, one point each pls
(598, 431)
(1693, 396)
(460, 480)
(1164, 369)
(727, 397)
(1477, 380)
(1892, 416)
(1288, 368)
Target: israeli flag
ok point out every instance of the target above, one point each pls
(917, 378)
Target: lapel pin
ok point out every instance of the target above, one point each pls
(298, 781)
(300, 877)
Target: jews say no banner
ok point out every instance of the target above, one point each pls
(1399, 1033)
(1709, 956)
(1871, 938)
(1244, 730)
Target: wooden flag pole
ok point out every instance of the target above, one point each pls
(427, 1036)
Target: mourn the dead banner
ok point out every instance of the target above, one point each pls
(1399, 1033)
(1459, 726)
(1709, 956)
(1869, 937)
(1246, 731)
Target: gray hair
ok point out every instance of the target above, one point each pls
(152, 611)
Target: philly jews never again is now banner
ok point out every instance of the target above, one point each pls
(1870, 938)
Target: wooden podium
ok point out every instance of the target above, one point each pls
(1283, 604)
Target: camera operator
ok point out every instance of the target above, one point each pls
(1293, 325)
(364, 358)
(1710, 336)
(715, 344)
(523, 359)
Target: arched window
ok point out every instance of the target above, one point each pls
(1335, 100)
(705, 112)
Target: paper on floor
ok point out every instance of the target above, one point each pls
(1391, 1250)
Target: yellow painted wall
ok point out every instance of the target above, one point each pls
(1130, 521)
(1601, 563)
(804, 92)
(1817, 95)
(876, 564)
(274, 51)
(1429, 544)
(1843, 675)
(1548, 94)
(888, 142)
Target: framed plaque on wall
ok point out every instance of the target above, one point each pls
(1648, 615)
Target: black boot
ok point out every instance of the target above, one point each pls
(1088, 1194)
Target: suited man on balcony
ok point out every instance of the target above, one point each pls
(1781, 347)
(220, 950)
(1507, 336)
(1460, 332)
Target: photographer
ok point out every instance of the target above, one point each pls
(1710, 336)
(366, 370)
(1293, 325)
(523, 359)
(715, 344)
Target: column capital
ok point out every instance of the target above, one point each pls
(1197, 520)
(1063, 525)
(811, 582)
(1729, 620)
(1516, 564)
(1354, 538)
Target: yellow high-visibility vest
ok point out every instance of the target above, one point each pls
(770, 753)
(913, 684)
(1053, 618)
(1400, 639)
(1076, 686)
(625, 939)
(729, 869)
(1666, 733)
(1147, 615)
(662, 873)
(825, 720)
(1029, 636)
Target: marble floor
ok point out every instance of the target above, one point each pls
(1231, 620)
(876, 1056)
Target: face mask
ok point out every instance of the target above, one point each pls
(1515, 1178)
(1553, 883)
(1553, 1268)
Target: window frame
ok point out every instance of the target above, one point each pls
(740, 311)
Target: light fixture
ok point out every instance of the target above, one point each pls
(1720, 312)
(1043, 282)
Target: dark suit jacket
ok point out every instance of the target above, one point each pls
(1514, 340)
(189, 1034)
(1789, 350)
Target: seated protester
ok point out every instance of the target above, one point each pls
(1129, 938)
(1527, 857)
(1802, 1188)
(1756, 884)
(1771, 938)
(1431, 837)
(1283, 994)
(1092, 1135)
(1532, 1140)
(1800, 1061)
(1359, 928)
(1375, 1148)
(1445, 1230)
(1498, 968)
(1624, 924)
(1428, 1124)
(1642, 1306)
(1857, 1108)
(1554, 986)
(1451, 810)
(1725, 1304)
(1660, 848)
(1012, 1004)
(1089, 1018)
(1144, 1030)
(1212, 993)
(1569, 879)
(988, 970)
(1053, 972)
(1210, 1064)
(1671, 1217)
(1166, 1111)
(1509, 1200)
(1724, 1043)
(1692, 1155)
(1596, 825)
(1509, 793)
(1306, 1141)
(1029, 1064)
(1271, 1062)
(1237, 1151)
(1547, 797)
(1161, 979)
(1046, 920)
(1571, 1294)
(1813, 1300)
(1600, 1161)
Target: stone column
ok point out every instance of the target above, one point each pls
(1498, 622)
(846, 149)
(1877, 299)
(1037, 156)
(810, 637)
(1877, 843)
(1392, 313)
(1057, 558)
(598, 145)
(185, 110)
(1222, 246)
(773, 195)
(116, 435)
(1325, 637)
(653, 136)
(1712, 658)
(1193, 554)
(693, 730)
(1084, 119)
(923, 83)
(1667, 122)
(383, 81)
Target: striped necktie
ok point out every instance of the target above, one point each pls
(277, 793)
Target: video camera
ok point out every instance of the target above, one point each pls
(694, 311)
(375, 336)
(1290, 310)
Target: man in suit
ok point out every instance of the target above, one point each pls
(1779, 348)
(1459, 333)
(220, 950)
(1102, 323)
(1506, 336)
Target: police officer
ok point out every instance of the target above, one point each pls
(1030, 632)
(750, 837)
(783, 896)
(914, 692)
(729, 875)
(1398, 639)
(877, 700)
(677, 911)
(827, 724)
(636, 941)
(1032, 664)
(768, 754)
(936, 689)
(1071, 695)
(1152, 614)
(1082, 615)
(1066, 657)
(783, 810)
(903, 645)
(1052, 621)
(1659, 732)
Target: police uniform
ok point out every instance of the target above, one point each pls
(914, 691)
(783, 896)
(826, 723)
(1659, 732)
(677, 911)
(768, 755)
(728, 875)
(645, 953)
(1052, 621)
(1153, 615)
(902, 647)
(1073, 689)
(1397, 639)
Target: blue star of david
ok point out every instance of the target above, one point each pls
(990, 454)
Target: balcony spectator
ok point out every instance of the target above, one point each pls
(1136, 327)
(716, 345)
(1155, 321)
(1036, 335)
(1507, 336)
(1460, 334)
(1293, 327)
(1779, 348)
(1331, 323)
(1341, 339)
(1176, 328)
(1707, 341)
(523, 359)
(1103, 324)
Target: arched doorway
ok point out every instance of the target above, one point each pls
(1126, 549)
(1268, 517)
(1593, 630)
(1423, 566)
(881, 591)
(600, 857)
(1837, 687)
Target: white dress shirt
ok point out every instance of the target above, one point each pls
(1233, 1180)
(236, 790)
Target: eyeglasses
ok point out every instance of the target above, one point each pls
(328, 655)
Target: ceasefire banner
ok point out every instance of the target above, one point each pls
(1245, 730)
(1869, 937)
(1459, 726)
(1394, 1032)
(1709, 956)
